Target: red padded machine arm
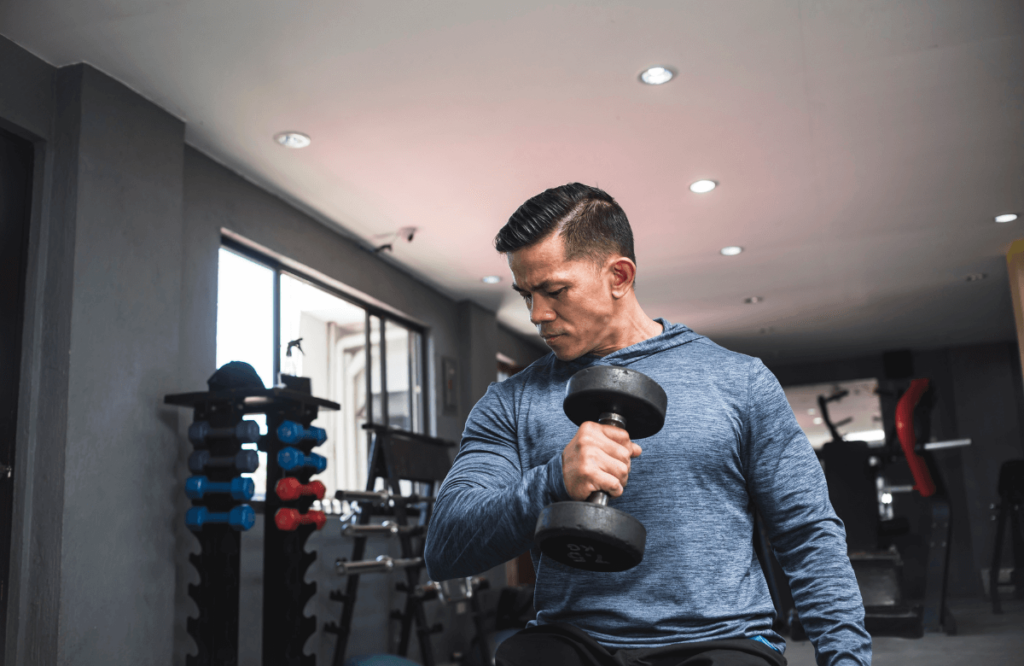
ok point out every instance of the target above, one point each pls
(905, 431)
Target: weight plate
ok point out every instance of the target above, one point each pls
(606, 388)
(590, 537)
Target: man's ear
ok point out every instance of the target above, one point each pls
(623, 273)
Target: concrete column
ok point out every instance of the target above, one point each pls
(98, 505)
(478, 333)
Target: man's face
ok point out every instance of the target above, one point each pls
(570, 302)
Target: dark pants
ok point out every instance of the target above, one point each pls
(565, 645)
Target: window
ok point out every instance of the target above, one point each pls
(359, 356)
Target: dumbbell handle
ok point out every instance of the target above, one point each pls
(600, 497)
(382, 564)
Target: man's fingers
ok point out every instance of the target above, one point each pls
(608, 484)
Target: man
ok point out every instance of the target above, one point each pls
(730, 446)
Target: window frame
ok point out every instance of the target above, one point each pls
(384, 315)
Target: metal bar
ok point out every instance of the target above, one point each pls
(948, 444)
(383, 564)
(379, 497)
(369, 371)
(384, 410)
(277, 326)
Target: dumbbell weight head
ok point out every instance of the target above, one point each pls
(243, 462)
(240, 518)
(245, 431)
(603, 389)
(290, 432)
(290, 458)
(590, 535)
(288, 520)
(289, 489)
(240, 488)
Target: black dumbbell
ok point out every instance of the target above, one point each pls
(591, 535)
(245, 431)
(244, 462)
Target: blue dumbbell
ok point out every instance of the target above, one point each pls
(244, 462)
(290, 458)
(291, 432)
(241, 518)
(240, 487)
(201, 431)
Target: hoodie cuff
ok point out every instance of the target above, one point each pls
(555, 488)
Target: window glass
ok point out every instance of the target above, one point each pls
(245, 330)
(323, 338)
(377, 408)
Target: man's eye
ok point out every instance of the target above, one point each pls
(553, 294)
(525, 295)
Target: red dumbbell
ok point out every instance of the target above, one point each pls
(288, 520)
(290, 489)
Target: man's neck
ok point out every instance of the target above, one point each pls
(636, 327)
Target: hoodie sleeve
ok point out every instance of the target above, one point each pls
(788, 487)
(487, 507)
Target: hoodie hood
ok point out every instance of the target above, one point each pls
(673, 335)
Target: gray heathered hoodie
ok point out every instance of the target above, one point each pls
(730, 445)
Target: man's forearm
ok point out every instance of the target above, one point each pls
(826, 594)
(480, 521)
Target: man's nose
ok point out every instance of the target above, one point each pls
(540, 313)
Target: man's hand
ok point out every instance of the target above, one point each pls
(597, 458)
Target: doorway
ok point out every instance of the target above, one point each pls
(16, 161)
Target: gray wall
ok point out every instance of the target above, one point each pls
(980, 397)
(521, 350)
(121, 310)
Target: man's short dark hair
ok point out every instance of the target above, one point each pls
(592, 225)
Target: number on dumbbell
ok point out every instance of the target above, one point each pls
(288, 520)
(244, 462)
(200, 432)
(240, 488)
(289, 489)
(290, 458)
(240, 518)
(291, 432)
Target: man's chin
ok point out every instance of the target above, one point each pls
(561, 348)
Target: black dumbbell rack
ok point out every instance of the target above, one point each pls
(285, 627)
(285, 560)
(396, 455)
(215, 630)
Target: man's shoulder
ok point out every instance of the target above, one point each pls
(704, 350)
(537, 372)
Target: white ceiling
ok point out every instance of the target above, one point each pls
(862, 147)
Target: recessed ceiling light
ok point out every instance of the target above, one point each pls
(1006, 217)
(702, 186)
(731, 251)
(293, 139)
(491, 279)
(655, 76)
(976, 277)
(753, 299)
